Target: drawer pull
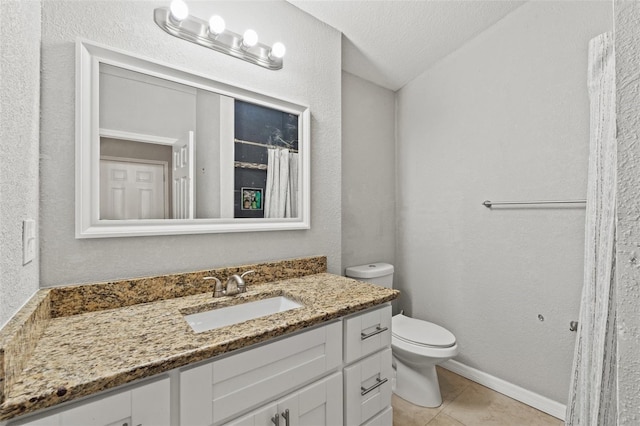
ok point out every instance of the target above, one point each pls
(378, 330)
(276, 419)
(285, 414)
(379, 382)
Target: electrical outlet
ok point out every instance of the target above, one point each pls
(28, 240)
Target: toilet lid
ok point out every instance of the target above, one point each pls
(420, 332)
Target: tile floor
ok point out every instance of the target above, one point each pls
(466, 403)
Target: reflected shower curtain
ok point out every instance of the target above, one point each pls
(593, 394)
(282, 184)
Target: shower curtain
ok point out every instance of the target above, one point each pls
(282, 184)
(593, 394)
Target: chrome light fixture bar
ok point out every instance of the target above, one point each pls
(176, 21)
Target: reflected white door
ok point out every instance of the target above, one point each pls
(132, 190)
(183, 179)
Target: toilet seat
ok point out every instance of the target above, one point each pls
(421, 333)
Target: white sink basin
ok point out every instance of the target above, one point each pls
(216, 318)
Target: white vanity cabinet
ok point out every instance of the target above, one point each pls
(147, 404)
(221, 390)
(368, 373)
(359, 393)
(338, 373)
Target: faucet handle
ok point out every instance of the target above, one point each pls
(218, 290)
(242, 285)
(247, 273)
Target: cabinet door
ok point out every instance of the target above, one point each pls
(367, 386)
(196, 395)
(106, 411)
(150, 404)
(317, 404)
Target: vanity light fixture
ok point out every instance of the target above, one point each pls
(179, 10)
(277, 51)
(216, 25)
(249, 39)
(213, 34)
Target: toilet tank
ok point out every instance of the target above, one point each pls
(374, 273)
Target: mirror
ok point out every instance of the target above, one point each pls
(160, 150)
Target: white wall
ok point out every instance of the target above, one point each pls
(311, 76)
(133, 102)
(503, 118)
(368, 172)
(19, 141)
(208, 154)
(627, 24)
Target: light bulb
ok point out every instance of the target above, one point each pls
(249, 38)
(277, 50)
(179, 10)
(216, 24)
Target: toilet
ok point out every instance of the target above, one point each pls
(417, 346)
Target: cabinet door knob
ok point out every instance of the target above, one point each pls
(276, 419)
(285, 414)
(379, 382)
(378, 330)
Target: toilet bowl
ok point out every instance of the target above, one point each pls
(417, 347)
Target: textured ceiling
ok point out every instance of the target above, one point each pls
(391, 42)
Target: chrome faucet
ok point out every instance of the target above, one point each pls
(218, 290)
(235, 284)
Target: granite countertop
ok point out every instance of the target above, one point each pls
(81, 354)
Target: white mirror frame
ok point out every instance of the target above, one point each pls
(89, 55)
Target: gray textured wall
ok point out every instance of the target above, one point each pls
(307, 78)
(627, 24)
(368, 172)
(506, 117)
(19, 141)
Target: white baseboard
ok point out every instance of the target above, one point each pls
(532, 399)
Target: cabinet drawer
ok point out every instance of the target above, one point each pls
(366, 333)
(383, 419)
(367, 385)
(224, 388)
